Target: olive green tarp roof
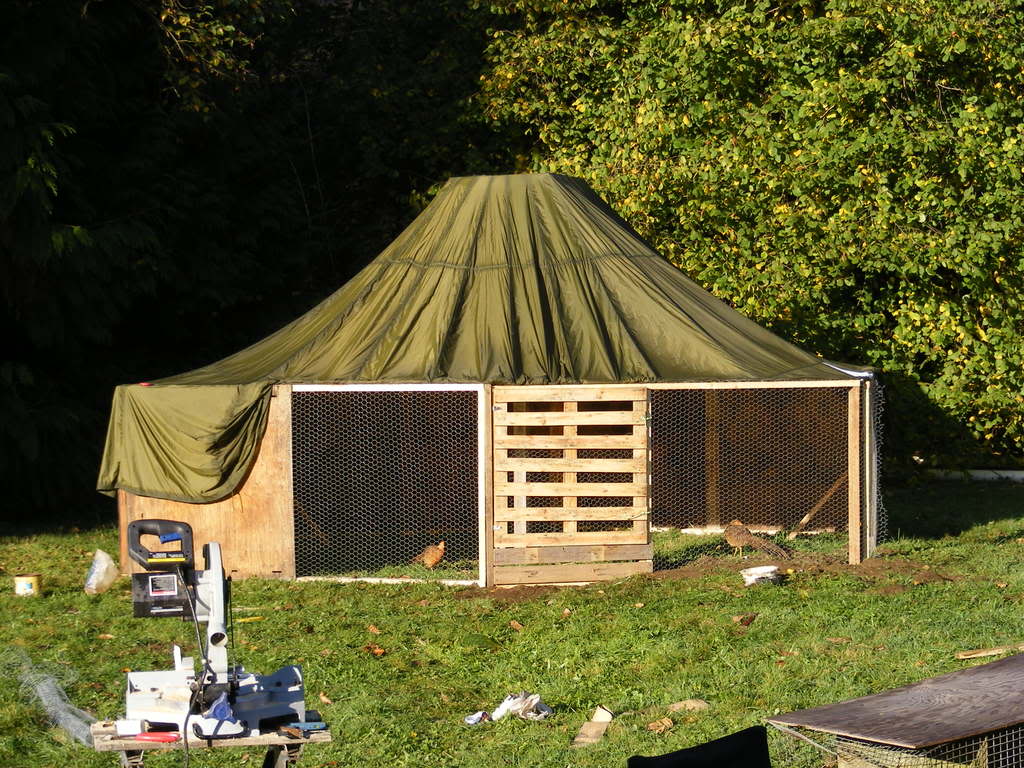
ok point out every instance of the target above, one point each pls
(528, 279)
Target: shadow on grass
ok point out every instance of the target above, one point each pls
(937, 508)
(673, 549)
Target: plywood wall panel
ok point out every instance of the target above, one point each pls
(254, 526)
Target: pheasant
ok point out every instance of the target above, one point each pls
(738, 536)
(431, 555)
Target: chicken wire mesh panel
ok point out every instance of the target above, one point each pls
(799, 747)
(776, 460)
(386, 483)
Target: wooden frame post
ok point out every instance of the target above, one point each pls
(486, 470)
(855, 526)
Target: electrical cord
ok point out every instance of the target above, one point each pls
(191, 598)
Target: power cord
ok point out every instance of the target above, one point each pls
(191, 598)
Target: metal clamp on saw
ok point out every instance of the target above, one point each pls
(220, 700)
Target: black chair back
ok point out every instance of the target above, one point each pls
(744, 749)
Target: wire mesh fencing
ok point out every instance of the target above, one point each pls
(386, 483)
(804, 748)
(775, 461)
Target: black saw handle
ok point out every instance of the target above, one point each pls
(167, 530)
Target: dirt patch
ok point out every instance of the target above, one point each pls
(871, 571)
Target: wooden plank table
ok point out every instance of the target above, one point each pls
(282, 750)
(935, 711)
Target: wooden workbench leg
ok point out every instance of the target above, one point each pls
(282, 755)
(132, 758)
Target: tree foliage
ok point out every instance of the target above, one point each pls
(179, 179)
(847, 173)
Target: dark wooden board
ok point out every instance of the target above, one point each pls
(934, 711)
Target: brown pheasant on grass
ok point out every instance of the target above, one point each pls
(431, 555)
(738, 536)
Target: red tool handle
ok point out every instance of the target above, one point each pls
(161, 736)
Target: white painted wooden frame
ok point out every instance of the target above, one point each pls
(483, 466)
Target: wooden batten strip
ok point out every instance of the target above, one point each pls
(504, 488)
(639, 437)
(557, 574)
(853, 477)
(551, 514)
(572, 554)
(789, 384)
(561, 539)
(565, 418)
(636, 464)
(538, 394)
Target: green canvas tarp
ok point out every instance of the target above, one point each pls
(525, 279)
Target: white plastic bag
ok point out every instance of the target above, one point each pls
(101, 574)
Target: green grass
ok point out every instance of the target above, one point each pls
(830, 633)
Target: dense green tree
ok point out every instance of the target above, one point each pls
(177, 180)
(847, 173)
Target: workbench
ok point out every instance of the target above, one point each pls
(282, 750)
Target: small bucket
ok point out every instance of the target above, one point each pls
(27, 585)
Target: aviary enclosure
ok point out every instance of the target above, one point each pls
(541, 484)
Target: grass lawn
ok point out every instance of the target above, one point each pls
(949, 579)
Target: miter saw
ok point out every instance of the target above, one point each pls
(219, 701)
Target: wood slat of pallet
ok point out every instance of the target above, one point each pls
(639, 436)
(555, 574)
(571, 464)
(559, 539)
(506, 514)
(593, 393)
(504, 488)
(593, 418)
(572, 554)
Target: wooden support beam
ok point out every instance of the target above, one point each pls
(637, 512)
(562, 574)
(488, 459)
(559, 442)
(572, 554)
(569, 456)
(560, 539)
(598, 393)
(524, 488)
(817, 507)
(853, 470)
(556, 419)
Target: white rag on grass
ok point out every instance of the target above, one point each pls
(524, 704)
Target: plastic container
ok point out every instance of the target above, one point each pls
(27, 585)
(102, 573)
(768, 574)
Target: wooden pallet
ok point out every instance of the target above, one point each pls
(282, 750)
(570, 484)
